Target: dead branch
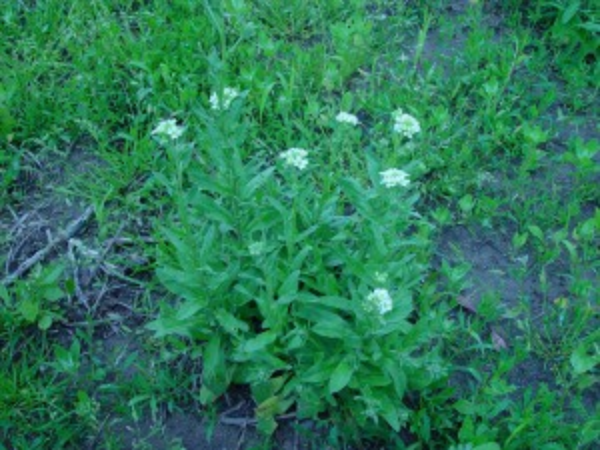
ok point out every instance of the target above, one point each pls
(72, 229)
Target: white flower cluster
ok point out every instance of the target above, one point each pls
(394, 177)
(295, 157)
(223, 102)
(405, 124)
(379, 300)
(350, 119)
(168, 128)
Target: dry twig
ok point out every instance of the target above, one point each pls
(63, 236)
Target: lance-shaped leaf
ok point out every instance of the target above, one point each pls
(340, 377)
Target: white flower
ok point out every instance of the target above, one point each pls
(350, 119)
(379, 300)
(223, 102)
(394, 177)
(256, 248)
(296, 157)
(405, 124)
(168, 128)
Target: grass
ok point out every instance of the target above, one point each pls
(213, 273)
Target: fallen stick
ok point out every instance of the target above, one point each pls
(65, 235)
(245, 421)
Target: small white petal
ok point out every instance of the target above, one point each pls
(405, 124)
(295, 157)
(350, 119)
(223, 101)
(380, 301)
(168, 128)
(394, 177)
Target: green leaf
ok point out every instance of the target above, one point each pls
(207, 395)
(393, 325)
(356, 194)
(309, 405)
(269, 407)
(590, 26)
(181, 283)
(467, 430)
(300, 257)
(330, 301)
(467, 203)
(259, 342)
(304, 236)
(397, 375)
(582, 362)
(53, 293)
(266, 389)
(215, 375)
(590, 432)
(258, 181)
(265, 219)
(188, 309)
(488, 446)
(465, 407)
(372, 377)
(548, 446)
(163, 181)
(536, 231)
(45, 322)
(314, 312)
(4, 294)
(7, 122)
(84, 406)
(337, 330)
(213, 360)
(51, 274)
(290, 284)
(213, 210)
(70, 286)
(424, 427)
(373, 168)
(230, 323)
(340, 377)
(183, 249)
(29, 309)
(570, 12)
(203, 182)
(166, 325)
(266, 425)
(389, 411)
(318, 373)
(67, 360)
